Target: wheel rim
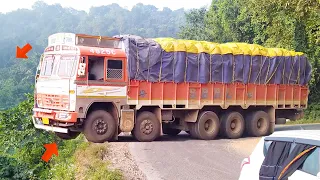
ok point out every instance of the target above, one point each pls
(146, 127)
(261, 124)
(209, 126)
(235, 125)
(100, 126)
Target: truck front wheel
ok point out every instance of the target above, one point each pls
(99, 127)
(207, 126)
(257, 123)
(232, 125)
(147, 127)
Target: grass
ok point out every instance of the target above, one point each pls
(303, 121)
(91, 164)
(80, 160)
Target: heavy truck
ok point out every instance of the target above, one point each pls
(102, 86)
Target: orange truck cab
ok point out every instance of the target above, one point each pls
(98, 86)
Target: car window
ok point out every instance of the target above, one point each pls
(312, 164)
(266, 147)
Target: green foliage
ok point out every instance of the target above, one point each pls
(21, 144)
(22, 147)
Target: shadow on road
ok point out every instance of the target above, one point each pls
(186, 137)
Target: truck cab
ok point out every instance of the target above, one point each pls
(79, 74)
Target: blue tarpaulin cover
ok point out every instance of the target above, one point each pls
(174, 60)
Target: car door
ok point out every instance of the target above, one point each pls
(310, 169)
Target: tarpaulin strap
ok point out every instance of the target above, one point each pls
(298, 76)
(185, 70)
(198, 58)
(222, 68)
(160, 72)
(295, 159)
(292, 66)
(137, 61)
(250, 69)
(148, 57)
(260, 69)
(273, 72)
(268, 69)
(283, 71)
(210, 56)
(233, 68)
(173, 66)
(304, 71)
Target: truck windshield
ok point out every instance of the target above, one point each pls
(59, 65)
(67, 65)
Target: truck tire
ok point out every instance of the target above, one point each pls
(207, 126)
(68, 136)
(170, 131)
(257, 123)
(192, 130)
(99, 127)
(232, 125)
(147, 127)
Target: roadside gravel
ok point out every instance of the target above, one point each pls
(120, 157)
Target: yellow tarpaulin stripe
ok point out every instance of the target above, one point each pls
(235, 48)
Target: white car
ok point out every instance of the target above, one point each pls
(292, 155)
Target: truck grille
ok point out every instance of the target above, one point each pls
(50, 101)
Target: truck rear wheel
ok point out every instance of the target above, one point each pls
(257, 123)
(207, 125)
(147, 127)
(67, 136)
(99, 127)
(232, 125)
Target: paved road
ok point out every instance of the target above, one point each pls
(184, 158)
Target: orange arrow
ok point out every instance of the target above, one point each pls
(22, 53)
(50, 150)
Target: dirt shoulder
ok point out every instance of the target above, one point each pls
(118, 154)
(244, 146)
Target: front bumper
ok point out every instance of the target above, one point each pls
(54, 118)
(38, 124)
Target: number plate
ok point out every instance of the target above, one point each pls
(45, 120)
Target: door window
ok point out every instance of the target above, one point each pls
(312, 164)
(114, 69)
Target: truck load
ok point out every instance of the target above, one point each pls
(102, 86)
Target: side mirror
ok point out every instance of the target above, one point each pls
(82, 67)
